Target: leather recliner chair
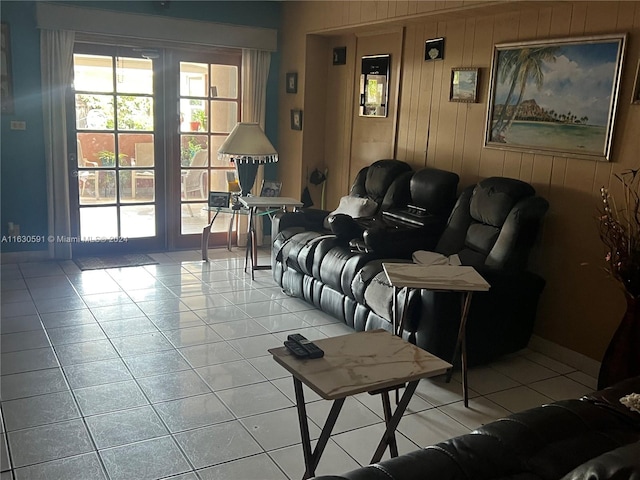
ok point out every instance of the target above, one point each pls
(385, 182)
(493, 228)
(401, 230)
(298, 235)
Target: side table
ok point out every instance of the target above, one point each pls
(206, 231)
(448, 278)
(373, 361)
(269, 205)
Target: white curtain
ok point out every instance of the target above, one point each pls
(56, 60)
(255, 71)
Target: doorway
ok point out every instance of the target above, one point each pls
(147, 125)
(209, 102)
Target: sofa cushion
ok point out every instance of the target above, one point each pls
(494, 198)
(375, 181)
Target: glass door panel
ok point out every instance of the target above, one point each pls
(115, 142)
(209, 109)
(137, 174)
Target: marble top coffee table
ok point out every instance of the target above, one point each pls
(375, 362)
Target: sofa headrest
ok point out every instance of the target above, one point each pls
(380, 175)
(494, 197)
(434, 190)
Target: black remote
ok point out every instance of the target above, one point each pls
(312, 349)
(296, 349)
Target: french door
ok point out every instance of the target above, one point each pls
(147, 127)
(209, 104)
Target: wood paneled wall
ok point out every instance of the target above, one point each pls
(581, 306)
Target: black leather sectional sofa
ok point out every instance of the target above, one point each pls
(593, 438)
(492, 226)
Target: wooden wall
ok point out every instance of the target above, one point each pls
(580, 307)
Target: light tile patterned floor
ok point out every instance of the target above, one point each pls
(162, 371)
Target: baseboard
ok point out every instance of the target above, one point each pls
(23, 257)
(562, 354)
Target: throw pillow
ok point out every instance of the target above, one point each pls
(355, 207)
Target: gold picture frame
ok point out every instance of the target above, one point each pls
(464, 85)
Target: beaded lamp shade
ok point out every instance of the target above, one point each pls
(247, 147)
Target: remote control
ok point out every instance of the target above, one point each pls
(296, 349)
(312, 349)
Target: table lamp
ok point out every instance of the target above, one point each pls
(247, 147)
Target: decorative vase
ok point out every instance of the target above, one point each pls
(622, 358)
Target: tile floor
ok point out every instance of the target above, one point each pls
(162, 372)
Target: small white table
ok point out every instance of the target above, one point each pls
(448, 278)
(254, 204)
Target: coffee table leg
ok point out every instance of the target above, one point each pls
(311, 459)
(248, 255)
(204, 242)
(386, 406)
(304, 426)
(230, 231)
(392, 424)
(461, 346)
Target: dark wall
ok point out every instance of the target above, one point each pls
(23, 198)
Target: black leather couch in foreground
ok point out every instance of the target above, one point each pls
(594, 438)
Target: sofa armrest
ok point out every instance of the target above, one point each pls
(307, 219)
(345, 227)
(620, 463)
(401, 241)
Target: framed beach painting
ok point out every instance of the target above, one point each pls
(557, 97)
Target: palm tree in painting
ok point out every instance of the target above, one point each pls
(519, 65)
(508, 64)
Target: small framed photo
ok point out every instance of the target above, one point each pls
(434, 49)
(270, 188)
(340, 56)
(635, 100)
(464, 85)
(292, 82)
(296, 119)
(219, 199)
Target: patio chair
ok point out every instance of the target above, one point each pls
(86, 176)
(144, 157)
(195, 180)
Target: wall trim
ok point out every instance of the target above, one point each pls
(170, 29)
(562, 354)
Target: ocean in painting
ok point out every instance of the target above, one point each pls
(587, 139)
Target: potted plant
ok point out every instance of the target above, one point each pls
(620, 233)
(188, 151)
(107, 180)
(199, 117)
